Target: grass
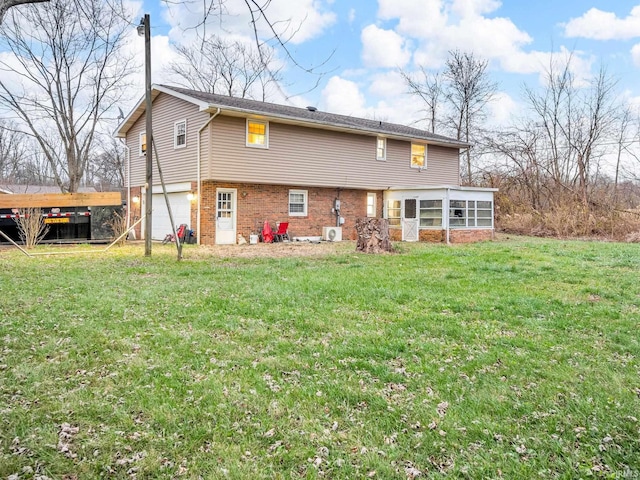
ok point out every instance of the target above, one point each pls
(512, 359)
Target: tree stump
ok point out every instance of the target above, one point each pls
(373, 235)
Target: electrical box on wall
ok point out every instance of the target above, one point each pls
(332, 234)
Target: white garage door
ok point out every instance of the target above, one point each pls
(180, 208)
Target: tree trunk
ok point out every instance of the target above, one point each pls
(373, 235)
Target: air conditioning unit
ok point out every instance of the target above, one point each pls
(332, 234)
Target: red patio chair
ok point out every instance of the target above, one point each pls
(267, 233)
(282, 233)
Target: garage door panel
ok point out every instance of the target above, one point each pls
(180, 208)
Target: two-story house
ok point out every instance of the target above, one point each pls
(229, 164)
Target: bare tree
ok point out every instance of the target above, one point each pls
(12, 151)
(469, 90)
(215, 65)
(589, 127)
(7, 4)
(71, 70)
(429, 87)
(106, 169)
(271, 38)
(577, 124)
(31, 226)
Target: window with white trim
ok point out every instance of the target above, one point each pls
(371, 204)
(381, 150)
(180, 134)
(143, 144)
(257, 133)
(393, 212)
(430, 213)
(298, 203)
(484, 214)
(470, 213)
(418, 155)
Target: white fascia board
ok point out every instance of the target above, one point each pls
(445, 187)
(139, 108)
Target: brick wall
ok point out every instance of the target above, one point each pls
(438, 236)
(469, 236)
(434, 236)
(257, 203)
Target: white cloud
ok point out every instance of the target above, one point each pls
(600, 25)
(444, 25)
(503, 108)
(635, 54)
(439, 26)
(352, 15)
(161, 55)
(393, 104)
(416, 18)
(343, 97)
(388, 84)
(296, 22)
(383, 48)
(466, 8)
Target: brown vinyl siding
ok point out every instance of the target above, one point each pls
(300, 155)
(178, 165)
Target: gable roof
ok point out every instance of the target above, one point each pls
(301, 116)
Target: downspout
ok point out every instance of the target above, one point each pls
(199, 162)
(447, 198)
(124, 143)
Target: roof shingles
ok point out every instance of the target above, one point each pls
(313, 116)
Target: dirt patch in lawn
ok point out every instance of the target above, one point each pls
(274, 250)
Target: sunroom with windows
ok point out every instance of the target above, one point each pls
(447, 213)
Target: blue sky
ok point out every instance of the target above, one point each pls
(368, 41)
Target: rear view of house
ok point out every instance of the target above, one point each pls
(231, 164)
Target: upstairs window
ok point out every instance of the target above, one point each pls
(298, 203)
(381, 151)
(418, 156)
(143, 144)
(257, 134)
(180, 134)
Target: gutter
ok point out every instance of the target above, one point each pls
(447, 198)
(124, 143)
(199, 166)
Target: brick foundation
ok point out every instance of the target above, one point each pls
(440, 236)
(470, 236)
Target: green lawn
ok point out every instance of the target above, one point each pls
(513, 359)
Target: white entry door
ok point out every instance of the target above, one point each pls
(410, 220)
(226, 216)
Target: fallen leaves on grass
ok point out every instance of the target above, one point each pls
(65, 439)
(442, 408)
